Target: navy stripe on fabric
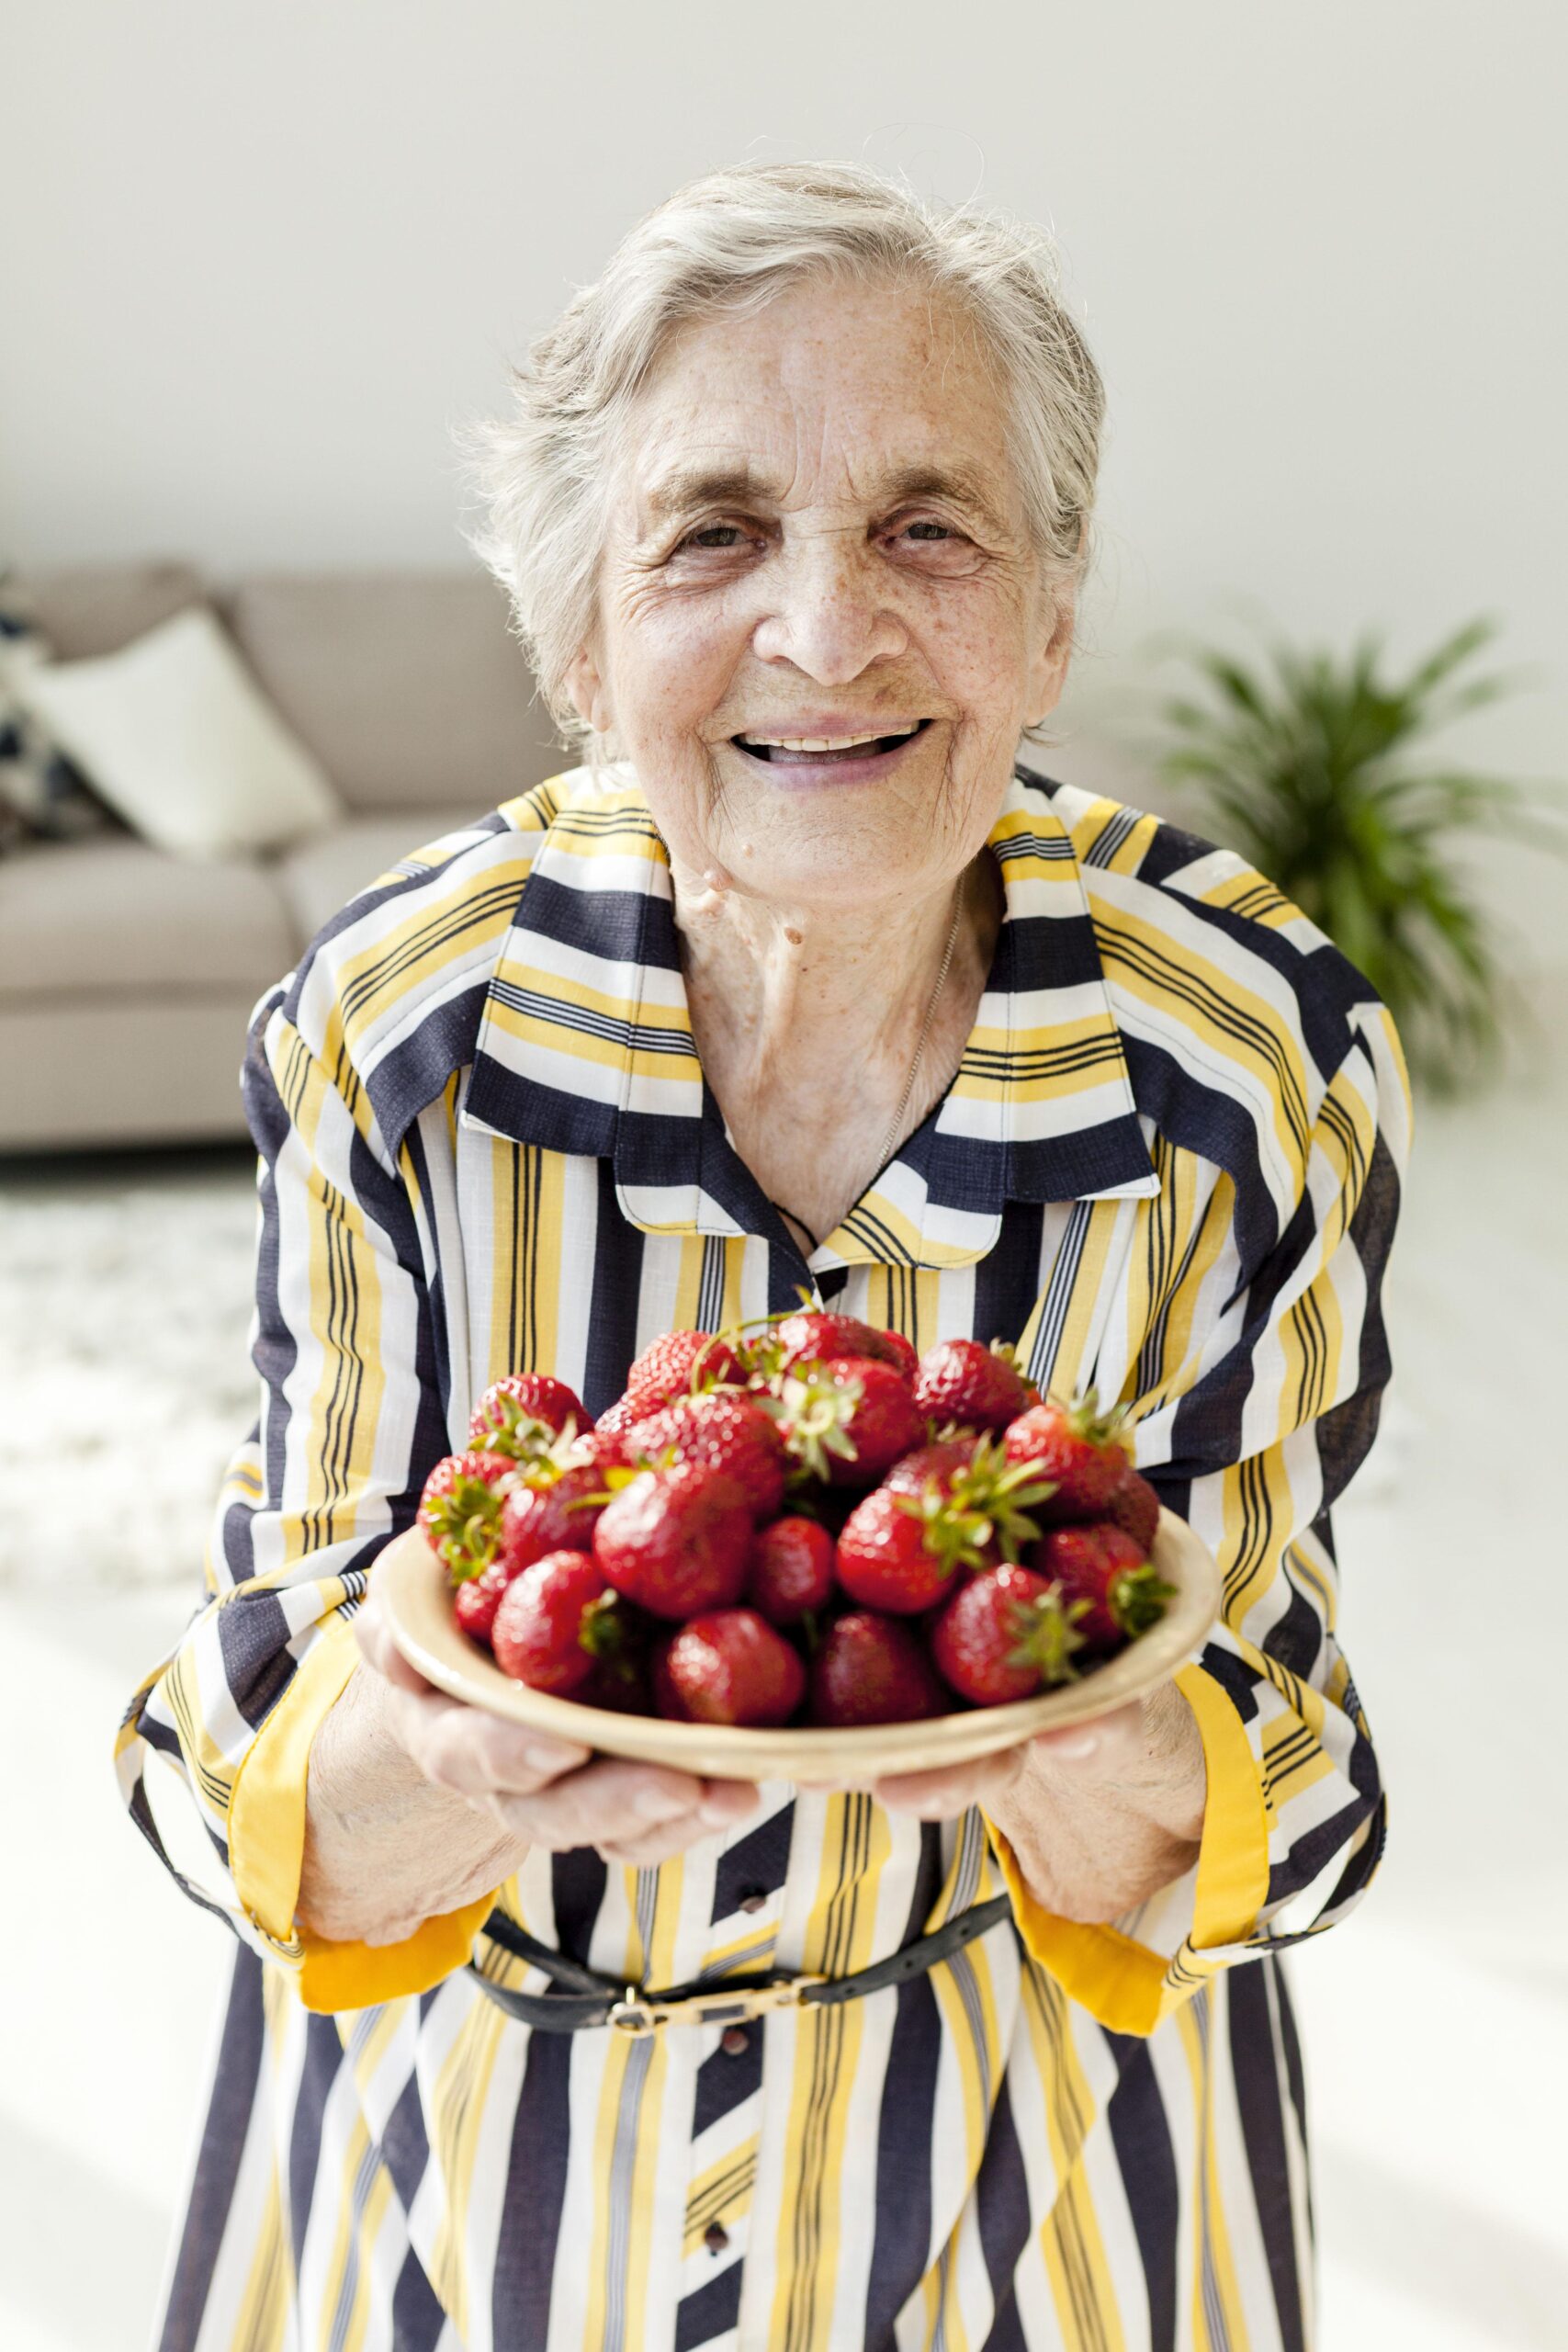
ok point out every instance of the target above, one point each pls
(725, 2081)
(323, 2057)
(1141, 2136)
(1255, 2064)
(418, 2319)
(758, 1862)
(253, 1637)
(613, 1308)
(1001, 2197)
(536, 2192)
(217, 2160)
(405, 2150)
(578, 1880)
(604, 924)
(903, 2175)
(708, 2312)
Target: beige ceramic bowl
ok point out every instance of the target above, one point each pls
(413, 1590)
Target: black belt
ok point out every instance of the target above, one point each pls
(728, 2000)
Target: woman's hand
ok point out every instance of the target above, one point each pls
(1101, 1814)
(542, 1791)
(416, 1805)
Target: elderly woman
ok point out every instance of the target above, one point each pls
(802, 982)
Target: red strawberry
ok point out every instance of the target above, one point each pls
(460, 1510)
(903, 1357)
(677, 1541)
(870, 1669)
(910, 1473)
(847, 1420)
(726, 1432)
(1074, 1446)
(1005, 1634)
(616, 1418)
(1100, 1566)
(478, 1599)
(667, 1367)
(729, 1667)
(551, 1510)
(898, 1552)
(555, 1620)
(792, 1570)
(510, 1413)
(1134, 1507)
(814, 1337)
(958, 1380)
(1002, 1502)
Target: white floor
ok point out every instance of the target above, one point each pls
(1437, 2019)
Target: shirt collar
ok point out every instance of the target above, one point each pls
(585, 1047)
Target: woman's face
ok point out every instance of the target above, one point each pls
(815, 531)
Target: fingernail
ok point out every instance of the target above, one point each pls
(1075, 1746)
(719, 1811)
(554, 1759)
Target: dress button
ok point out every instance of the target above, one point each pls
(715, 2237)
(734, 2040)
(752, 1900)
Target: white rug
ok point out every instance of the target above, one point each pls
(125, 1303)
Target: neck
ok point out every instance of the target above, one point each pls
(806, 1022)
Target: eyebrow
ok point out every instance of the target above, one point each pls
(688, 488)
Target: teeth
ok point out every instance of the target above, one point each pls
(826, 742)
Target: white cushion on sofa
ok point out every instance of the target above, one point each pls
(175, 735)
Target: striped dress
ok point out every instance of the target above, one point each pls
(1170, 1162)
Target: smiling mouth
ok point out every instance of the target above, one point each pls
(813, 751)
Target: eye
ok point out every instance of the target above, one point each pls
(711, 538)
(928, 532)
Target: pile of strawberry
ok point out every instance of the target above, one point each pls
(808, 1524)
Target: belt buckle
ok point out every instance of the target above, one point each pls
(637, 2013)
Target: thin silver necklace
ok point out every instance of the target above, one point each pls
(897, 1121)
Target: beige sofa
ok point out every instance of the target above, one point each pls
(127, 976)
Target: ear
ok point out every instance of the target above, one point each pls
(586, 691)
(1053, 650)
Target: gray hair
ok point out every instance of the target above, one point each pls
(725, 246)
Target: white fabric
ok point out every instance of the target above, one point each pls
(176, 736)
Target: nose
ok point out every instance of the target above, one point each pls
(831, 610)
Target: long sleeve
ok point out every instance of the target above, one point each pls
(1254, 1392)
(350, 1424)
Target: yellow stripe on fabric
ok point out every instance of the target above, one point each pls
(360, 1976)
(461, 2091)
(1177, 1337)
(344, 1287)
(1126, 1985)
(266, 1808)
(261, 2321)
(1229, 1020)
(722, 2193)
(526, 1218)
(1071, 2243)
(855, 1844)
(1211, 2223)
(1080, 1321)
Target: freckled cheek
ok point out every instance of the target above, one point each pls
(676, 677)
(979, 660)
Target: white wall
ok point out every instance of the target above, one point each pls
(260, 257)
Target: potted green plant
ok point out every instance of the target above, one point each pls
(1317, 768)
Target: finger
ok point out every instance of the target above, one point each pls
(724, 1803)
(952, 1789)
(479, 1755)
(1105, 1744)
(379, 1651)
(621, 1800)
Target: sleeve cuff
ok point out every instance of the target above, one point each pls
(1126, 1984)
(266, 1852)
